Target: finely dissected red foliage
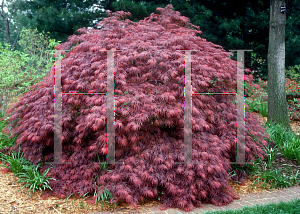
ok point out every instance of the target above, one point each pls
(149, 114)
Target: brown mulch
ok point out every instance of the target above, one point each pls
(13, 201)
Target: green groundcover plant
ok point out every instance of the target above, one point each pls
(26, 171)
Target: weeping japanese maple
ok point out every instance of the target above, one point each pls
(149, 114)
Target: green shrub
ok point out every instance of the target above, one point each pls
(20, 69)
(293, 72)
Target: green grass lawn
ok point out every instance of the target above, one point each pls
(292, 207)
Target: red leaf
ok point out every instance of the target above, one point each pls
(5, 170)
(5, 131)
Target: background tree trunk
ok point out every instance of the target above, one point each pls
(277, 105)
(6, 19)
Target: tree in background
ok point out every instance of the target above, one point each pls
(141, 9)
(138, 9)
(292, 34)
(277, 105)
(232, 24)
(5, 24)
(61, 18)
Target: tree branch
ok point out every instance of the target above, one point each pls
(2, 9)
(15, 40)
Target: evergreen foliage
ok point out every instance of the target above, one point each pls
(231, 24)
(149, 115)
(59, 18)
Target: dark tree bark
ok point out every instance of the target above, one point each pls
(277, 105)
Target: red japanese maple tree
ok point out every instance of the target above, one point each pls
(149, 114)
